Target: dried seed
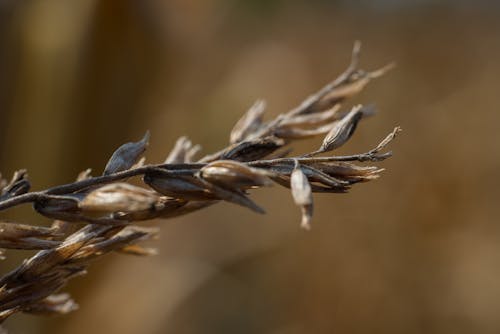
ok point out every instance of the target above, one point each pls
(52, 206)
(249, 123)
(163, 206)
(233, 174)
(342, 131)
(183, 187)
(302, 195)
(126, 155)
(252, 150)
(118, 197)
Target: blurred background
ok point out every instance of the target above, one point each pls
(417, 251)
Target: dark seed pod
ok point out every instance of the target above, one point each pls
(118, 197)
(342, 131)
(59, 206)
(253, 149)
(126, 155)
(183, 187)
(233, 174)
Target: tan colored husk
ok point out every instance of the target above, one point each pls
(97, 215)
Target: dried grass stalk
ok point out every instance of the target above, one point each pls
(96, 215)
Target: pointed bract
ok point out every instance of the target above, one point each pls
(233, 174)
(249, 123)
(126, 156)
(342, 130)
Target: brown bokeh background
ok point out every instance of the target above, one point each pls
(417, 251)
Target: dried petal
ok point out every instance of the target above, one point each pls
(249, 123)
(52, 206)
(118, 197)
(232, 174)
(342, 131)
(302, 195)
(126, 155)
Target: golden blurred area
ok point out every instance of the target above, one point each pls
(417, 251)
